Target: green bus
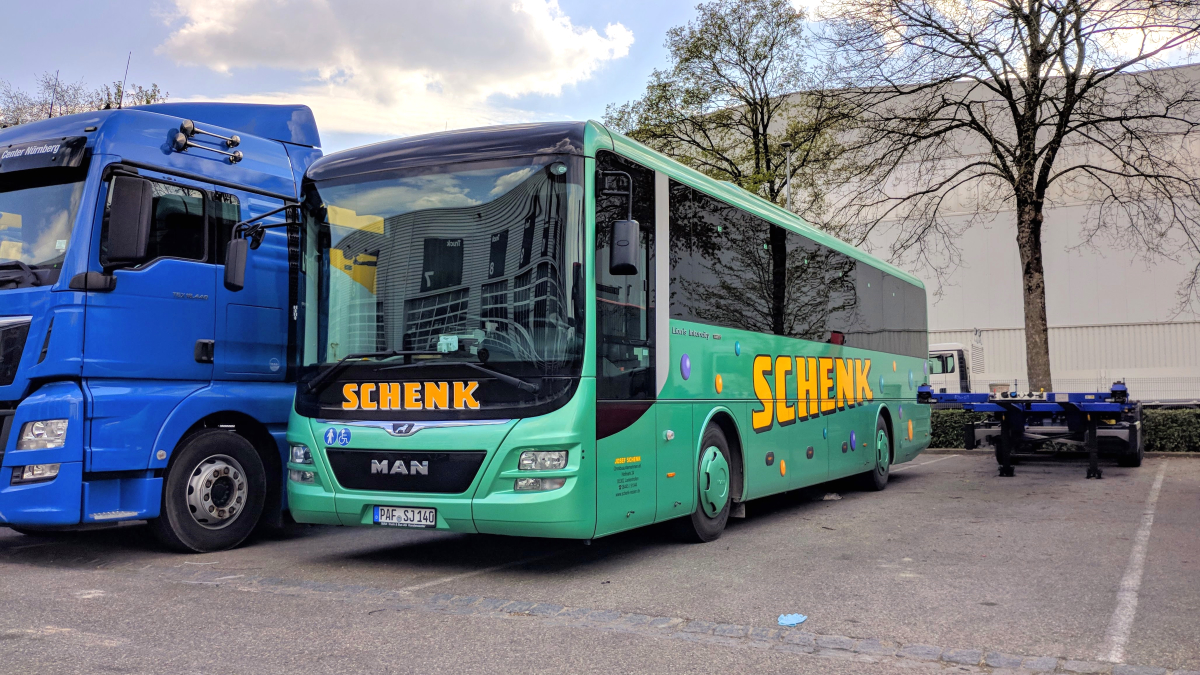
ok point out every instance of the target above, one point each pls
(550, 330)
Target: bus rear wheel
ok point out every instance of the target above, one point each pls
(213, 494)
(877, 478)
(714, 478)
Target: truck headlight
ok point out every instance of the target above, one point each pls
(301, 454)
(42, 434)
(542, 460)
(34, 473)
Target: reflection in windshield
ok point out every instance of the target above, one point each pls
(469, 263)
(36, 222)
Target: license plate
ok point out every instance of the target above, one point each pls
(405, 516)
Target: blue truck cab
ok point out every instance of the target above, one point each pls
(133, 384)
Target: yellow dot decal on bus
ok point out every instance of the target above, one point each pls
(782, 468)
(893, 366)
(720, 384)
(910, 433)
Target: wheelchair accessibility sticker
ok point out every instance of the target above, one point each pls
(337, 436)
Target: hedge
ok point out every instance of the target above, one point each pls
(1166, 430)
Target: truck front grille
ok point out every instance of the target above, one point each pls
(13, 331)
(7, 412)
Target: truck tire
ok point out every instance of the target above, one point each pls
(213, 493)
(714, 470)
(877, 478)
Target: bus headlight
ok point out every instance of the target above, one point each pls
(301, 454)
(301, 476)
(538, 484)
(42, 434)
(34, 473)
(542, 460)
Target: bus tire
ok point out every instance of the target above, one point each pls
(877, 478)
(213, 494)
(707, 522)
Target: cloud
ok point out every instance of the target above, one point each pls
(510, 180)
(379, 66)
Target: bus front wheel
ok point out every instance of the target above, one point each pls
(713, 489)
(877, 478)
(213, 494)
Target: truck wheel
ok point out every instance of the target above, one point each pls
(877, 478)
(213, 495)
(714, 478)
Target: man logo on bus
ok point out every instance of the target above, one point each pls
(823, 386)
(410, 396)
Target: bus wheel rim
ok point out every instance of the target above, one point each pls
(882, 453)
(217, 492)
(714, 481)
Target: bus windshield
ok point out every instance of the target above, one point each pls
(467, 272)
(37, 214)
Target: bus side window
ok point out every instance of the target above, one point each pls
(624, 303)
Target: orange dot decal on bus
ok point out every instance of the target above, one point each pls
(720, 384)
(910, 432)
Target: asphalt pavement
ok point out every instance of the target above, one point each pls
(950, 569)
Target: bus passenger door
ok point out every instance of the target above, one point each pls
(626, 424)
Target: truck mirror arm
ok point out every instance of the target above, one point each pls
(247, 235)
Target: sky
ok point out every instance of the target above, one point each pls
(369, 69)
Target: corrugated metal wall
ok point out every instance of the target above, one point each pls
(1158, 361)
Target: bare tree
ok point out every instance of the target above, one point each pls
(726, 103)
(55, 97)
(1019, 104)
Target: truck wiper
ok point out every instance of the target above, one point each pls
(20, 273)
(510, 380)
(336, 368)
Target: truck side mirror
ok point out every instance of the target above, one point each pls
(625, 248)
(129, 219)
(235, 263)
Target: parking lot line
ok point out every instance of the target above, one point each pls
(924, 463)
(1127, 597)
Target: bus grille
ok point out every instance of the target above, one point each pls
(440, 472)
(12, 343)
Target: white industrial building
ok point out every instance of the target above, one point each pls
(1113, 315)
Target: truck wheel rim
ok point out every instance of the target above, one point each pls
(216, 492)
(714, 481)
(883, 455)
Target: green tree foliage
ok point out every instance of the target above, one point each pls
(728, 101)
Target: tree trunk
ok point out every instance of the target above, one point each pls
(1033, 281)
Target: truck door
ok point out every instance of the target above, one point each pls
(157, 322)
(252, 324)
(943, 372)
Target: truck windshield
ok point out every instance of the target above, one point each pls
(471, 271)
(37, 214)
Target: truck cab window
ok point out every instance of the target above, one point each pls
(226, 211)
(177, 228)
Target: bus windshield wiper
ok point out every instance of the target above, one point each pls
(510, 380)
(505, 378)
(329, 372)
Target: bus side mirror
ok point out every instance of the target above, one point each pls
(235, 263)
(625, 248)
(129, 219)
